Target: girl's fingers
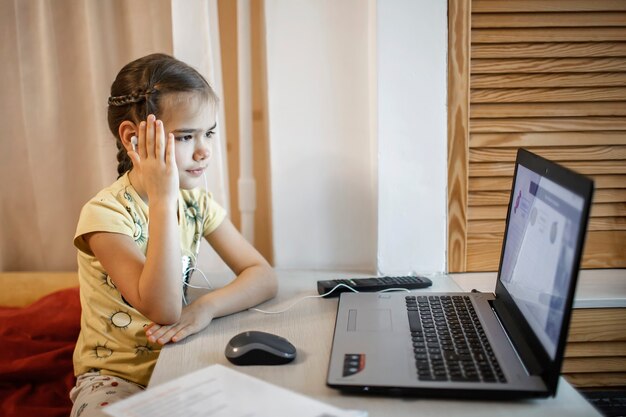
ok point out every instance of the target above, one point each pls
(150, 135)
(151, 328)
(167, 336)
(180, 335)
(159, 145)
(155, 334)
(170, 158)
(134, 158)
(141, 140)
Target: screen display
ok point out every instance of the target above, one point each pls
(538, 258)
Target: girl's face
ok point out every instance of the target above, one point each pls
(192, 120)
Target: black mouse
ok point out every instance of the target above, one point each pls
(259, 348)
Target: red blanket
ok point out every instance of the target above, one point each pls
(36, 347)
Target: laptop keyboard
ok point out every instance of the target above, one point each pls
(449, 342)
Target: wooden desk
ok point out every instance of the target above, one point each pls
(309, 326)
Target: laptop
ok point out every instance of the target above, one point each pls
(478, 345)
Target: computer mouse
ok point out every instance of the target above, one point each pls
(259, 348)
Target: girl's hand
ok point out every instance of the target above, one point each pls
(194, 318)
(155, 161)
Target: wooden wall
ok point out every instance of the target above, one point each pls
(547, 75)
(227, 10)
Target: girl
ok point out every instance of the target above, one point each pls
(134, 235)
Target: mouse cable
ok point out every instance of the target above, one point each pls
(319, 296)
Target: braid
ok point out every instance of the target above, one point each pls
(124, 163)
(134, 97)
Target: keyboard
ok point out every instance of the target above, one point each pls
(372, 284)
(449, 342)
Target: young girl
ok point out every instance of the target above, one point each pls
(134, 235)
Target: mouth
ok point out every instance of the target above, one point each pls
(196, 172)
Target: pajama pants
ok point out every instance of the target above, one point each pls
(94, 391)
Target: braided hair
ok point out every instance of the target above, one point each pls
(139, 88)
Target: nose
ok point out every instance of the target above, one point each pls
(202, 151)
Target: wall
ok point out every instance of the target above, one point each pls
(357, 126)
(412, 174)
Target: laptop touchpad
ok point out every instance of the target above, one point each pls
(369, 320)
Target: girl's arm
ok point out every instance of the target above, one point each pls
(151, 284)
(255, 282)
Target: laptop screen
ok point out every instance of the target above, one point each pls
(539, 251)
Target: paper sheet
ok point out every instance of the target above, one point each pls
(218, 391)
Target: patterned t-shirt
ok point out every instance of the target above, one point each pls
(112, 338)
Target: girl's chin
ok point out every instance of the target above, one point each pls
(190, 184)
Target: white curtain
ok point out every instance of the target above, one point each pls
(57, 61)
(196, 40)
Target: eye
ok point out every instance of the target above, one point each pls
(183, 138)
(209, 134)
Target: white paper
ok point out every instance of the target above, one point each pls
(218, 391)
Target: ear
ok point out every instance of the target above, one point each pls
(126, 131)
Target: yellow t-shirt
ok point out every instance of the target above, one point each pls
(112, 338)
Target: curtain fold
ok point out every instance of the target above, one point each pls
(57, 62)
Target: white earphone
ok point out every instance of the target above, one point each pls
(133, 142)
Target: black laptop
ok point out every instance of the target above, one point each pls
(477, 345)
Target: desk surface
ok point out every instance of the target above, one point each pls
(596, 288)
(309, 326)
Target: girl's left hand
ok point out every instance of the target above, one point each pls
(194, 318)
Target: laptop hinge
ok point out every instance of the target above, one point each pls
(522, 348)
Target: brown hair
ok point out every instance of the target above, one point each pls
(139, 87)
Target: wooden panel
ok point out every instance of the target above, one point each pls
(593, 349)
(494, 169)
(475, 227)
(523, 6)
(550, 65)
(227, 15)
(578, 365)
(546, 95)
(549, 76)
(504, 183)
(517, 80)
(548, 124)
(607, 223)
(480, 227)
(486, 213)
(552, 35)
(458, 136)
(499, 212)
(489, 198)
(551, 20)
(501, 198)
(602, 250)
(549, 50)
(263, 239)
(526, 139)
(490, 183)
(508, 110)
(562, 153)
(597, 379)
(598, 324)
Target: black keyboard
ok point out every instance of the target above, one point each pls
(372, 284)
(449, 342)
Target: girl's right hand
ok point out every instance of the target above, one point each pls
(155, 162)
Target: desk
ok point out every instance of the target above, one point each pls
(309, 326)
